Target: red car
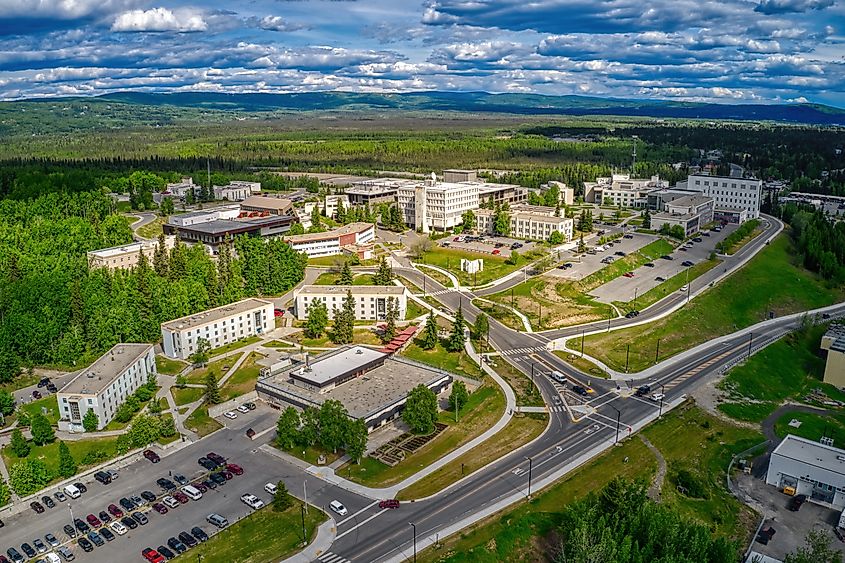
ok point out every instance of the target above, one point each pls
(497, 251)
(200, 487)
(115, 511)
(152, 555)
(181, 497)
(93, 521)
(628, 274)
(227, 475)
(152, 456)
(389, 503)
(235, 468)
(160, 508)
(278, 313)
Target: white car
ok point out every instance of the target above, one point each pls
(118, 528)
(243, 409)
(170, 501)
(252, 501)
(657, 397)
(684, 287)
(271, 488)
(232, 415)
(336, 506)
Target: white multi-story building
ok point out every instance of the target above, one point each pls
(127, 255)
(333, 242)
(218, 326)
(181, 188)
(527, 222)
(222, 213)
(731, 194)
(104, 385)
(621, 190)
(690, 212)
(236, 190)
(332, 203)
(370, 300)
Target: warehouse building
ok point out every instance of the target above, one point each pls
(799, 466)
(219, 326)
(372, 385)
(104, 385)
(370, 300)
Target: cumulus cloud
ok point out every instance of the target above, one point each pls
(277, 23)
(63, 9)
(160, 19)
(787, 6)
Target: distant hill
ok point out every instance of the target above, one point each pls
(482, 102)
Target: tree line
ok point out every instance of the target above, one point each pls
(820, 242)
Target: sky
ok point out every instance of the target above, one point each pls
(729, 51)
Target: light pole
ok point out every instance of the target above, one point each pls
(304, 536)
(618, 416)
(305, 493)
(414, 526)
(582, 342)
(662, 394)
(657, 351)
(750, 340)
(529, 475)
(627, 356)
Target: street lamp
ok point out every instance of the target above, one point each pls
(414, 526)
(618, 416)
(529, 475)
(660, 412)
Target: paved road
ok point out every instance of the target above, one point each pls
(590, 263)
(144, 219)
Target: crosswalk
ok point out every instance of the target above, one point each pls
(441, 291)
(329, 557)
(698, 369)
(523, 351)
(557, 408)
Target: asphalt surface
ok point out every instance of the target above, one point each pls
(587, 264)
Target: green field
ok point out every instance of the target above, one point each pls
(243, 380)
(168, 366)
(331, 278)
(219, 367)
(813, 426)
(264, 535)
(49, 402)
(414, 310)
(686, 437)
(494, 266)
(201, 423)
(771, 281)
(237, 344)
(438, 357)
(187, 395)
(152, 229)
(499, 312)
(786, 369)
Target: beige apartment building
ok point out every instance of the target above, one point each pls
(127, 255)
(370, 300)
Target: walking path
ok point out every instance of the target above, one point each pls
(326, 533)
(656, 483)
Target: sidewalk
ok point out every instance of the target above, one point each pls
(326, 533)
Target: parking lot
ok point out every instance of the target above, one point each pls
(645, 278)
(489, 244)
(590, 263)
(230, 442)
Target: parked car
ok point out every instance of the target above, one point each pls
(666, 257)
(60, 496)
(14, 555)
(165, 552)
(140, 518)
(86, 545)
(51, 387)
(115, 511)
(36, 506)
(619, 253)
(107, 534)
(628, 274)
(52, 540)
(129, 522)
(199, 534)
(200, 486)
(127, 504)
(96, 539)
(649, 264)
(176, 545)
(660, 279)
(69, 530)
(210, 484)
(104, 516)
(252, 501)
(48, 502)
(36, 394)
(235, 468)
(27, 549)
(218, 478)
(271, 488)
(217, 520)
(687, 263)
(43, 382)
(39, 545)
(187, 539)
(242, 409)
(181, 497)
(148, 496)
(207, 463)
(170, 502)
(179, 478)
(496, 251)
(93, 521)
(66, 553)
(389, 503)
(152, 555)
(231, 415)
(136, 500)
(160, 508)
(113, 474)
(102, 477)
(216, 458)
(250, 405)
(152, 456)
(81, 526)
(80, 487)
(118, 528)
(796, 502)
(166, 484)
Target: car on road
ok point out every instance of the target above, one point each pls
(580, 389)
(36, 506)
(658, 397)
(93, 521)
(207, 463)
(242, 409)
(152, 555)
(160, 508)
(60, 496)
(199, 534)
(796, 502)
(107, 534)
(96, 538)
(48, 502)
(69, 530)
(179, 478)
(631, 314)
(642, 391)
(152, 456)
(39, 545)
(129, 522)
(51, 387)
(176, 545)
(338, 507)
(140, 518)
(187, 539)
(389, 503)
(170, 502)
(684, 287)
(165, 552)
(231, 415)
(235, 468)
(705, 234)
(628, 236)
(252, 501)
(118, 528)
(115, 511)
(166, 484)
(52, 540)
(86, 545)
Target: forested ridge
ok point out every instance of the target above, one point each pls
(55, 311)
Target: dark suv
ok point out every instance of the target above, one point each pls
(102, 477)
(796, 502)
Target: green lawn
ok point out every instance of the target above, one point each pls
(771, 281)
(243, 380)
(312, 454)
(414, 310)
(499, 312)
(201, 423)
(331, 278)
(168, 366)
(187, 395)
(219, 367)
(105, 447)
(685, 436)
(583, 364)
(276, 344)
(412, 287)
(360, 336)
(49, 402)
(484, 407)
(494, 266)
(152, 229)
(440, 277)
(116, 425)
(527, 394)
(813, 426)
(22, 380)
(264, 535)
(234, 345)
(788, 368)
(457, 363)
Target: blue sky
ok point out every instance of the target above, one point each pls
(728, 51)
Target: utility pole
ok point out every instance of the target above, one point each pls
(414, 526)
(305, 494)
(529, 475)
(657, 351)
(618, 416)
(660, 412)
(304, 536)
(627, 356)
(750, 340)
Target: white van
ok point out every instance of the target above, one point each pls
(72, 491)
(192, 492)
(270, 488)
(338, 507)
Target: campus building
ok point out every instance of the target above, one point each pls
(236, 190)
(567, 194)
(267, 204)
(370, 300)
(127, 255)
(181, 188)
(729, 193)
(371, 192)
(372, 385)
(833, 343)
(333, 202)
(799, 466)
(691, 213)
(219, 326)
(214, 226)
(527, 222)
(620, 190)
(355, 237)
(104, 385)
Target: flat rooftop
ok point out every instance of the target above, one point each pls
(812, 453)
(355, 289)
(267, 202)
(206, 212)
(691, 200)
(220, 226)
(329, 235)
(328, 366)
(370, 393)
(105, 369)
(212, 315)
(117, 250)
